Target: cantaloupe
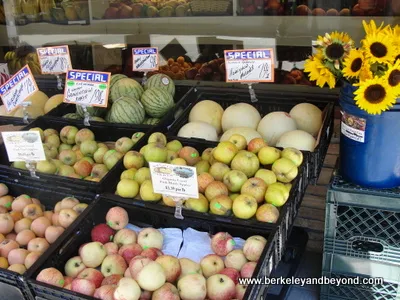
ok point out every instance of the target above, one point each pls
(248, 133)
(274, 124)
(199, 130)
(207, 111)
(308, 117)
(298, 139)
(240, 115)
(4, 112)
(38, 99)
(53, 102)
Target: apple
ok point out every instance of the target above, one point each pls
(83, 168)
(52, 140)
(179, 162)
(68, 202)
(174, 145)
(111, 279)
(188, 266)
(267, 213)
(130, 251)
(203, 180)
(67, 134)
(244, 206)
(190, 155)
(171, 266)
(92, 275)
(147, 192)
(202, 166)
(67, 280)
(102, 233)
(31, 259)
(231, 273)
(67, 217)
(255, 145)
(142, 174)
(65, 170)
(235, 259)
(6, 223)
(22, 165)
(99, 155)
(46, 166)
(52, 233)
(32, 211)
(93, 254)
(200, 204)
(222, 243)
(255, 187)
(192, 287)
(15, 215)
(151, 253)
(6, 200)
(38, 245)
(206, 154)
(127, 289)
(293, 154)
(215, 189)
(124, 144)
(221, 205)
(268, 176)
(51, 276)
(240, 291)
(6, 246)
(220, 287)
(50, 151)
(167, 292)
(268, 155)
(113, 264)
(239, 141)
(128, 174)
(133, 159)
(40, 130)
(137, 136)
(74, 266)
(248, 269)
(151, 277)
(99, 171)
(246, 162)
(4, 263)
(125, 236)
(253, 247)
(234, 180)
(111, 157)
(155, 153)
(20, 202)
(17, 256)
(211, 264)
(83, 286)
(285, 170)
(277, 194)
(68, 157)
(158, 138)
(137, 264)
(112, 248)
(127, 188)
(17, 268)
(117, 218)
(105, 292)
(150, 238)
(64, 147)
(24, 236)
(171, 156)
(22, 224)
(40, 225)
(82, 135)
(218, 170)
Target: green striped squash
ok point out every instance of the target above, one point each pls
(151, 121)
(157, 102)
(161, 81)
(127, 111)
(126, 87)
(93, 111)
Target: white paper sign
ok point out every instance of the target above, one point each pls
(174, 180)
(18, 88)
(145, 59)
(4, 69)
(249, 66)
(23, 146)
(87, 88)
(54, 60)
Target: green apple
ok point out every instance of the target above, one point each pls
(233, 196)
(46, 166)
(206, 154)
(143, 149)
(64, 147)
(68, 157)
(268, 176)
(129, 174)
(57, 162)
(285, 170)
(142, 174)
(199, 205)
(218, 170)
(178, 161)
(202, 166)
(268, 155)
(246, 162)
(244, 206)
(293, 154)
(158, 138)
(155, 153)
(40, 130)
(84, 134)
(239, 141)
(255, 187)
(174, 145)
(65, 170)
(124, 144)
(99, 154)
(88, 148)
(111, 158)
(19, 165)
(67, 134)
(171, 156)
(50, 151)
(147, 192)
(49, 131)
(267, 213)
(133, 159)
(53, 140)
(234, 180)
(225, 152)
(221, 205)
(127, 188)
(137, 136)
(288, 186)
(99, 171)
(277, 194)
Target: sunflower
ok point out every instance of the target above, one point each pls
(392, 78)
(319, 72)
(379, 48)
(335, 47)
(353, 64)
(375, 96)
(372, 29)
(365, 73)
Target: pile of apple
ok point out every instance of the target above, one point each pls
(119, 264)
(246, 180)
(27, 229)
(75, 153)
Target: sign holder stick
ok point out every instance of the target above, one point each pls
(25, 112)
(178, 207)
(253, 96)
(31, 168)
(144, 78)
(86, 114)
(59, 83)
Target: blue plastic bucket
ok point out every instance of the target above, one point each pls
(369, 145)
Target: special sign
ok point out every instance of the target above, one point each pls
(54, 60)
(145, 59)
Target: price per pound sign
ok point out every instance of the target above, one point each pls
(145, 60)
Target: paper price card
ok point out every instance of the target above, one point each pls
(18, 88)
(87, 88)
(145, 59)
(174, 180)
(54, 60)
(249, 66)
(23, 146)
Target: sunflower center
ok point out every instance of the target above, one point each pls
(335, 51)
(394, 78)
(378, 50)
(375, 93)
(356, 65)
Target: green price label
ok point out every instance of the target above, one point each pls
(102, 86)
(70, 83)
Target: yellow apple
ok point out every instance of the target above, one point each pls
(200, 204)
(268, 176)
(128, 188)
(268, 155)
(129, 174)
(293, 154)
(285, 170)
(225, 152)
(221, 205)
(244, 206)
(178, 161)
(267, 213)
(255, 187)
(234, 180)
(147, 192)
(239, 141)
(277, 194)
(246, 162)
(218, 170)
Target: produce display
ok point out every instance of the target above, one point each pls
(24, 55)
(120, 263)
(27, 229)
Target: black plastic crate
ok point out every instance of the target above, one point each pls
(6, 171)
(268, 101)
(143, 217)
(48, 198)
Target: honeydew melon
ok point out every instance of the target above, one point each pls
(274, 124)
(199, 130)
(240, 115)
(248, 133)
(308, 117)
(298, 139)
(209, 112)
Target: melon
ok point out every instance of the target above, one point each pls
(273, 125)
(199, 130)
(53, 102)
(97, 119)
(248, 133)
(151, 121)
(161, 81)
(92, 110)
(209, 112)
(72, 116)
(298, 139)
(127, 111)
(33, 112)
(38, 99)
(4, 112)
(126, 87)
(115, 78)
(157, 102)
(240, 115)
(308, 117)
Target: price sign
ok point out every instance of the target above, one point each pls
(23, 146)
(18, 88)
(145, 59)
(249, 66)
(174, 180)
(87, 88)
(54, 60)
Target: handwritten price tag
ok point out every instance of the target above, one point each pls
(145, 59)
(54, 60)
(252, 65)
(174, 180)
(88, 88)
(23, 146)
(18, 88)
